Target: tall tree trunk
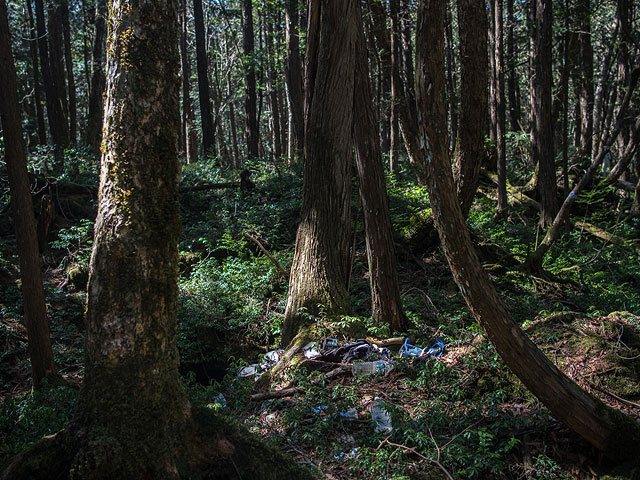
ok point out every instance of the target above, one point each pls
(71, 83)
(237, 161)
(608, 430)
(35, 313)
(55, 114)
(55, 16)
(188, 119)
(512, 75)
(503, 205)
(624, 14)
(491, 13)
(320, 263)
(97, 85)
(394, 48)
(598, 103)
(472, 30)
(202, 63)
(451, 75)
(583, 14)
(276, 146)
(386, 302)
(542, 152)
(37, 88)
(250, 96)
(294, 78)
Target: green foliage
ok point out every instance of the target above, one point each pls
(77, 241)
(30, 416)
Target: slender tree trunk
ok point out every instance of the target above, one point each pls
(97, 85)
(583, 15)
(394, 24)
(503, 205)
(608, 430)
(625, 17)
(598, 104)
(491, 13)
(472, 30)
(37, 88)
(320, 263)
(451, 76)
(541, 126)
(512, 75)
(386, 302)
(294, 78)
(71, 83)
(250, 99)
(202, 62)
(276, 146)
(35, 313)
(55, 22)
(188, 119)
(55, 114)
(534, 260)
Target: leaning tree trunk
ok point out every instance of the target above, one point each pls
(319, 270)
(472, 30)
(607, 429)
(35, 312)
(386, 302)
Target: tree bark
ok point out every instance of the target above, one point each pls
(35, 313)
(55, 9)
(202, 62)
(37, 88)
(395, 59)
(472, 31)
(608, 430)
(452, 99)
(583, 16)
(97, 85)
(386, 302)
(320, 263)
(188, 129)
(250, 98)
(542, 152)
(503, 205)
(512, 75)
(294, 78)
(71, 83)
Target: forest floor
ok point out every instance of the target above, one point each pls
(463, 415)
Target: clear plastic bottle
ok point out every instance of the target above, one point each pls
(380, 417)
(380, 367)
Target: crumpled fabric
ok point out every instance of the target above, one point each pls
(361, 349)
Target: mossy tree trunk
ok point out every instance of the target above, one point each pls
(607, 429)
(131, 402)
(35, 312)
(320, 263)
(386, 302)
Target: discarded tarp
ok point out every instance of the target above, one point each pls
(359, 350)
(257, 369)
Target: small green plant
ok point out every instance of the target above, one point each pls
(77, 241)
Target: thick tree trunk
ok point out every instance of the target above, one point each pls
(319, 270)
(97, 85)
(394, 50)
(472, 31)
(202, 63)
(250, 98)
(542, 151)
(37, 88)
(386, 303)
(35, 313)
(294, 79)
(608, 430)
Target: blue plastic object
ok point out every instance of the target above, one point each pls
(436, 349)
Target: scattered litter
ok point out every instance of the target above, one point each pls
(436, 349)
(257, 369)
(349, 415)
(359, 350)
(347, 456)
(218, 402)
(271, 418)
(380, 416)
(320, 408)
(330, 343)
(311, 350)
(380, 367)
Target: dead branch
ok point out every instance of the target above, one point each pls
(269, 256)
